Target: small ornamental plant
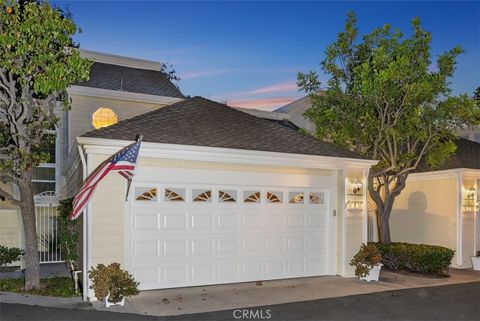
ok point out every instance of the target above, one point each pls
(366, 258)
(112, 282)
(9, 255)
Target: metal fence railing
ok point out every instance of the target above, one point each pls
(47, 232)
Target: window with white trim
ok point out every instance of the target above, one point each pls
(44, 175)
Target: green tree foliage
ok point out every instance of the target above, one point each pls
(68, 233)
(387, 101)
(38, 61)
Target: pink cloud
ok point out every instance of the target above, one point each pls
(282, 87)
(276, 88)
(262, 103)
(203, 73)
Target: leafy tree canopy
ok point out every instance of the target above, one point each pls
(38, 61)
(386, 100)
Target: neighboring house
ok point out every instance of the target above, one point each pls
(220, 195)
(436, 207)
(295, 110)
(441, 207)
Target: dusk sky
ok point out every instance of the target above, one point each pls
(248, 53)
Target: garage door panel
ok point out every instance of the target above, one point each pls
(252, 245)
(174, 248)
(275, 267)
(227, 222)
(146, 275)
(275, 243)
(146, 221)
(252, 222)
(295, 243)
(202, 272)
(296, 266)
(176, 221)
(227, 271)
(174, 273)
(175, 244)
(201, 247)
(145, 249)
(295, 221)
(251, 269)
(316, 221)
(227, 247)
(201, 222)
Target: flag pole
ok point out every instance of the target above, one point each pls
(129, 181)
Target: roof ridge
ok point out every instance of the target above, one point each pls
(232, 128)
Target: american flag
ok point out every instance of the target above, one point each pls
(123, 161)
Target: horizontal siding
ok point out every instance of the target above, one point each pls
(10, 228)
(107, 215)
(83, 107)
(425, 212)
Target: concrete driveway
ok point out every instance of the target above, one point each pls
(232, 296)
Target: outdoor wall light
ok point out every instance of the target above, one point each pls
(357, 186)
(471, 193)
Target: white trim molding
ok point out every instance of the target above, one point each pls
(459, 247)
(120, 60)
(224, 155)
(447, 173)
(121, 95)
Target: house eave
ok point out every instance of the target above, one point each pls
(447, 173)
(121, 95)
(224, 155)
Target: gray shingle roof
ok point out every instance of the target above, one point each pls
(467, 155)
(143, 81)
(201, 122)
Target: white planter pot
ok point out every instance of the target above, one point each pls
(373, 274)
(109, 304)
(476, 263)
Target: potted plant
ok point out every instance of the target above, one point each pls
(112, 284)
(476, 261)
(367, 262)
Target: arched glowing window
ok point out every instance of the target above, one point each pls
(103, 117)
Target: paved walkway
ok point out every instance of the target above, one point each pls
(232, 296)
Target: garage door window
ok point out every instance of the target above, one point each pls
(274, 197)
(296, 197)
(202, 195)
(227, 196)
(316, 198)
(251, 197)
(174, 195)
(145, 194)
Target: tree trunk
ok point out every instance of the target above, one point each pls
(383, 219)
(27, 207)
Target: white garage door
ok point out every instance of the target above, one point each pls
(183, 234)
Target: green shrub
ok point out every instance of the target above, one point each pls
(111, 279)
(9, 255)
(366, 258)
(422, 258)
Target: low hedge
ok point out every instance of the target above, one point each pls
(422, 258)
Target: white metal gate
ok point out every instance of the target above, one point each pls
(46, 217)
